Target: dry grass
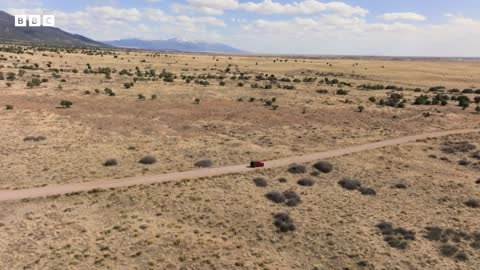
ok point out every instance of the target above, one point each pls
(227, 222)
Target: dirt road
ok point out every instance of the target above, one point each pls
(6, 195)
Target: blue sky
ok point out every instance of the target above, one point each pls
(359, 27)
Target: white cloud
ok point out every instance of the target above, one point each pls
(304, 7)
(211, 7)
(406, 16)
(217, 7)
(334, 34)
(307, 31)
(108, 23)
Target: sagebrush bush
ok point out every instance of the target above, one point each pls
(458, 147)
(110, 162)
(367, 191)
(473, 203)
(323, 166)
(147, 160)
(283, 222)
(349, 184)
(260, 182)
(66, 103)
(34, 138)
(401, 186)
(297, 169)
(275, 196)
(306, 182)
(292, 197)
(204, 163)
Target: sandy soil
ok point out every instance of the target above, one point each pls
(54, 190)
(226, 222)
(179, 133)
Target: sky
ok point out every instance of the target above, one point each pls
(344, 27)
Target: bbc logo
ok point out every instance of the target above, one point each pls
(34, 20)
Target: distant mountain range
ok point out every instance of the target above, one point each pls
(173, 45)
(47, 35)
(56, 36)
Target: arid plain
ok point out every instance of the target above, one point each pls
(411, 206)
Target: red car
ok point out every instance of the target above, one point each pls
(256, 164)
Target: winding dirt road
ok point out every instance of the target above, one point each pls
(6, 195)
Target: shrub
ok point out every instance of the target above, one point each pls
(342, 92)
(108, 91)
(260, 182)
(395, 237)
(323, 166)
(284, 180)
(421, 100)
(464, 162)
(110, 162)
(275, 197)
(34, 138)
(448, 250)
(473, 203)
(297, 169)
(372, 99)
(400, 186)
(463, 101)
(349, 184)
(197, 101)
(306, 182)
(153, 97)
(66, 103)
(147, 160)
(10, 76)
(8, 107)
(367, 191)
(204, 163)
(322, 91)
(283, 222)
(455, 147)
(141, 96)
(222, 83)
(292, 197)
(434, 233)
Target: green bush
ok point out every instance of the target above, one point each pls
(421, 100)
(342, 92)
(66, 103)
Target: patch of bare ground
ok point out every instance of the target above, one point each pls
(228, 223)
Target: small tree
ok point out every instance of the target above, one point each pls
(66, 103)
